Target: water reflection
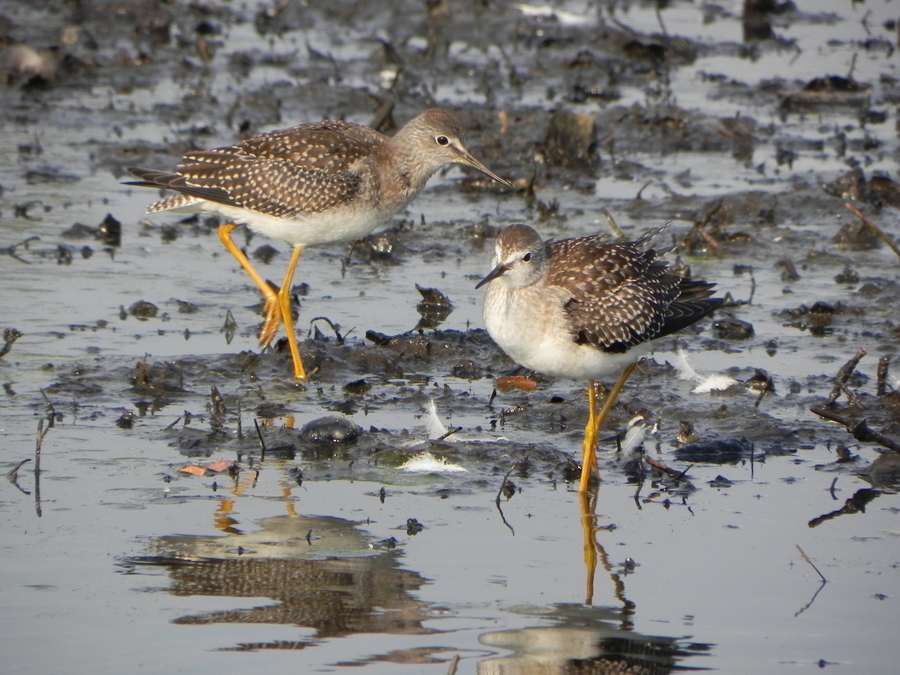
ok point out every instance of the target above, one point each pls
(594, 552)
(327, 575)
(321, 573)
(587, 640)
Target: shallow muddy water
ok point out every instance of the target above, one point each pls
(307, 556)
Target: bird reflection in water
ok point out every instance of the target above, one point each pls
(322, 573)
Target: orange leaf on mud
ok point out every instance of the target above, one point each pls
(219, 465)
(516, 382)
(193, 469)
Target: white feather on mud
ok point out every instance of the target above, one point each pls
(705, 385)
(433, 425)
(425, 462)
(634, 436)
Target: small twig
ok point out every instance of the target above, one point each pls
(11, 250)
(383, 119)
(656, 464)
(872, 226)
(337, 333)
(41, 433)
(217, 411)
(843, 375)
(500, 492)
(51, 411)
(613, 225)
(806, 558)
(852, 398)
(639, 194)
(884, 364)
(853, 60)
(660, 20)
(13, 474)
(861, 430)
(172, 425)
(493, 396)
(790, 270)
(453, 663)
(262, 443)
(766, 387)
(450, 432)
(503, 483)
(831, 488)
(711, 240)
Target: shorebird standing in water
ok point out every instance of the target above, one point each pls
(311, 185)
(585, 309)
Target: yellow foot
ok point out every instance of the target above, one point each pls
(273, 320)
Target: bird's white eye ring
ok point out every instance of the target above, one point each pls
(442, 140)
(527, 257)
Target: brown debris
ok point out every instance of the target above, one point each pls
(881, 234)
(571, 141)
(217, 466)
(856, 504)
(858, 428)
(507, 382)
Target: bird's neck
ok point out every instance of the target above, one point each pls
(407, 171)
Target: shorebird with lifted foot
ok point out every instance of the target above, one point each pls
(310, 185)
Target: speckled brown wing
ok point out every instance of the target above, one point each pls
(305, 169)
(622, 296)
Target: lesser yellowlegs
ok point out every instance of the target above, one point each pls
(585, 309)
(311, 185)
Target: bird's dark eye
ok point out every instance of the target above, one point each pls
(527, 257)
(442, 140)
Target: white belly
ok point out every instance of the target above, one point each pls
(334, 227)
(542, 340)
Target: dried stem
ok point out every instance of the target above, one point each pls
(884, 363)
(844, 374)
(806, 558)
(872, 226)
(861, 430)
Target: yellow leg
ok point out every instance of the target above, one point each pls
(595, 421)
(273, 310)
(278, 305)
(284, 297)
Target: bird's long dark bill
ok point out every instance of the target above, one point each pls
(498, 271)
(475, 164)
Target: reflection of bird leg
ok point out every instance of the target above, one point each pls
(290, 505)
(593, 551)
(222, 520)
(588, 502)
(595, 421)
